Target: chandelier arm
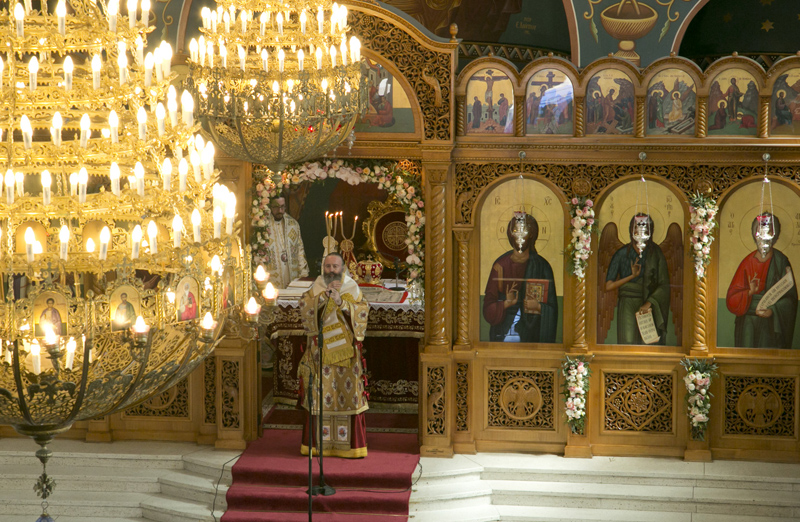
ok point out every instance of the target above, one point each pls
(76, 408)
(23, 404)
(135, 383)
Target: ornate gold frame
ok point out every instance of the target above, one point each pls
(377, 210)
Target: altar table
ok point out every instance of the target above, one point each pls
(391, 349)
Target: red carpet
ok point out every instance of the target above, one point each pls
(270, 481)
(287, 418)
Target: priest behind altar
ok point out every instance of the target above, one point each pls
(335, 306)
(286, 260)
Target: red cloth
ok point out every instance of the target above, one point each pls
(738, 298)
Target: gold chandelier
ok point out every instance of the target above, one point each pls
(277, 83)
(120, 256)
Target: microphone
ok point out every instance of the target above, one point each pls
(397, 271)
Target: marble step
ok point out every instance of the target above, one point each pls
(572, 514)
(722, 501)
(485, 513)
(645, 471)
(21, 477)
(450, 496)
(64, 518)
(197, 488)
(432, 472)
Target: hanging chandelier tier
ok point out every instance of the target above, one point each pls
(121, 265)
(277, 84)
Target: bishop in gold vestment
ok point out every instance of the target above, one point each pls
(334, 315)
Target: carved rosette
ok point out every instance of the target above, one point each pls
(462, 238)
(210, 387)
(231, 378)
(763, 120)
(519, 116)
(760, 406)
(522, 399)
(701, 125)
(640, 105)
(580, 110)
(435, 400)
(638, 402)
(436, 256)
(427, 71)
(701, 303)
(462, 397)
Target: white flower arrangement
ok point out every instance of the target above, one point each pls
(583, 226)
(699, 374)
(576, 374)
(702, 211)
(388, 176)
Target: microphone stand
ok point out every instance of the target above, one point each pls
(323, 488)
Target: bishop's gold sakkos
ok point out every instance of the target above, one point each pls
(116, 238)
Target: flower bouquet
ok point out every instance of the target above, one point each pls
(576, 374)
(583, 226)
(699, 373)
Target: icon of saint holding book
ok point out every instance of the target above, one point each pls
(520, 297)
(763, 294)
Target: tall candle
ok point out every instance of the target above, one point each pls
(63, 236)
(183, 170)
(114, 174)
(196, 225)
(46, 181)
(9, 179)
(105, 238)
(36, 359)
(136, 241)
(30, 239)
(68, 68)
(166, 174)
(138, 171)
(177, 231)
(97, 64)
(152, 233)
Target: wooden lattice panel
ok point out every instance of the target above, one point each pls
(760, 405)
(638, 402)
(522, 399)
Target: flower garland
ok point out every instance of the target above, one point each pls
(388, 176)
(702, 211)
(576, 374)
(583, 226)
(699, 373)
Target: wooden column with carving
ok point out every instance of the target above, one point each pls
(699, 345)
(763, 120)
(579, 107)
(701, 125)
(462, 323)
(641, 103)
(237, 372)
(461, 116)
(437, 258)
(519, 116)
(579, 344)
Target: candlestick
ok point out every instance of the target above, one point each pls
(145, 12)
(261, 276)
(71, 345)
(141, 117)
(97, 64)
(105, 237)
(217, 222)
(73, 184)
(140, 331)
(131, 14)
(55, 130)
(19, 17)
(136, 241)
(83, 181)
(36, 358)
(9, 179)
(114, 174)
(46, 181)
(30, 238)
(196, 225)
(183, 170)
(113, 10)
(177, 231)
(122, 63)
(152, 233)
(86, 124)
(187, 108)
(230, 212)
(194, 158)
(149, 61)
(27, 131)
(68, 68)
(138, 171)
(63, 236)
(19, 179)
(160, 114)
(166, 174)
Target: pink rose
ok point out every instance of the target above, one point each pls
(589, 203)
(574, 201)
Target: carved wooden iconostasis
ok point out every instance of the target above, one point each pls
(580, 133)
